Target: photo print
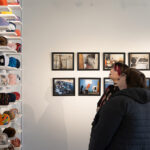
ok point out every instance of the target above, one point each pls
(63, 86)
(89, 86)
(63, 61)
(140, 61)
(88, 61)
(110, 58)
(107, 82)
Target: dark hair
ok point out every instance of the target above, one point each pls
(135, 78)
(120, 67)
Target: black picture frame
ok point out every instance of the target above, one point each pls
(83, 92)
(64, 88)
(139, 63)
(62, 67)
(83, 66)
(106, 85)
(108, 67)
(148, 83)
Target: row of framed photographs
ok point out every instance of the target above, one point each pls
(91, 60)
(86, 86)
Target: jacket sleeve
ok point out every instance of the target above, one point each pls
(110, 117)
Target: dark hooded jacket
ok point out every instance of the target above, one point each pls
(124, 122)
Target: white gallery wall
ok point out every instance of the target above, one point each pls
(64, 123)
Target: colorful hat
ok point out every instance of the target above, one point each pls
(4, 119)
(10, 132)
(10, 113)
(3, 41)
(3, 139)
(13, 62)
(3, 22)
(3, 2)
(17, 95)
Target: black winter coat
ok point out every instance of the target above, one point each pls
(124, 122)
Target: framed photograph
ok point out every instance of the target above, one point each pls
(140, 61)
(63, 86)
(107, 82)
(148, 83)
(62, 61)
(89, 86)
(88, 61)
(110, 58)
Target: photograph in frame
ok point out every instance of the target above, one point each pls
(63, 86)
(89, 86)
(107, 82)
(111, 58)
(148, 83)
(63, 61)
(88, 61)
(140, 61)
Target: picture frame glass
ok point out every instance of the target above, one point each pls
(139, 61)
(112, 58)
(89, 87)
(63, 87)
(62, 61)
(88, 61)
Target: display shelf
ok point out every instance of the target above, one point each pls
(5, 8)
(7, 68)
(3, 27)
(8, 33)
(5, 126)
(17, 22)
(8, 16)
(15, 7)
(4, 146)
(13, 37)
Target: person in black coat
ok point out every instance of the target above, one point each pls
(124, 121)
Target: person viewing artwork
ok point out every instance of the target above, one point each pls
(115, 73)
(124, 121)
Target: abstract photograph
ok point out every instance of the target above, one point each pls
(63, 87)
(140, 61)
(63, 61)
(89, 86)
(88, 61)
(110, 58)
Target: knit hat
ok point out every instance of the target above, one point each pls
(16, 142)
(4, 99)
(10, 113)
(11, 27)
(3, 41)
(13, 62)
(4, 119)
(17, 95)
(3, 22)
(12, 97)
(3, 2)
(10, 132)
(3, 139)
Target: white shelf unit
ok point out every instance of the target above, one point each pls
(12, 36)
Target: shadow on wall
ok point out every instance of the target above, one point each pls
(51, 126)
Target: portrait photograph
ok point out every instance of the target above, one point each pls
(63, 61)
(111, 58)
(107, 82)
(140, 61)
(89, 86)
(88, 61)
(63, 86)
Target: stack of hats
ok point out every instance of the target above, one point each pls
(4, 119)
(5, 98)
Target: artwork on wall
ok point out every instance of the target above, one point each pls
(89, 86)
(88, 61)
(139, 61)
(63, 61)
(63, 86)
(148, 83)
(110, 58)
(107, 82)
